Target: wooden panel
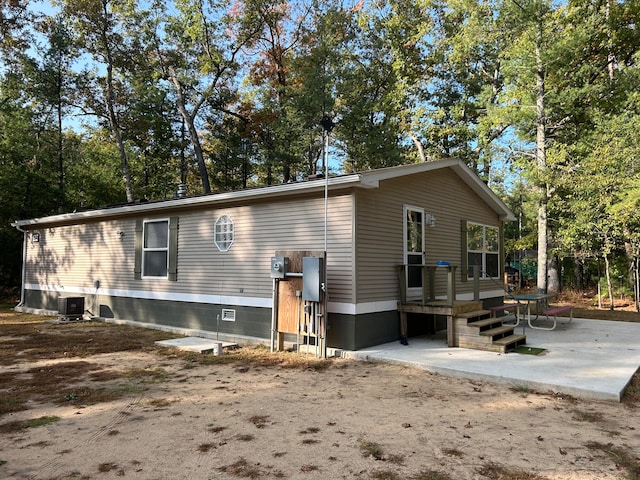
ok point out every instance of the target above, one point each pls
(288, 302)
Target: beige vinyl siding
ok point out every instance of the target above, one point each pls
(379, 229)
(260, 230)
(76, 255)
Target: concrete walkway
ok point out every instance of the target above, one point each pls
(592, 359)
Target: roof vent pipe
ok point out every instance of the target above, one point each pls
(182, 190)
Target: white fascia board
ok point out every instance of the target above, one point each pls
(343, 181)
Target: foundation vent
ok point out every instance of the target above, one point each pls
(228, 315)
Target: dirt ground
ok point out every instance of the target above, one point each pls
(87, 400)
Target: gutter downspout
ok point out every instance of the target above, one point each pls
(24, 264)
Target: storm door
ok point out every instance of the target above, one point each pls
(414, 248)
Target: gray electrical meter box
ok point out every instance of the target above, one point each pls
(312, 278)
(279, 267)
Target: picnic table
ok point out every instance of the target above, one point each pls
(536, 299)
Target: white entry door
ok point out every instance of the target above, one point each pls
(414, 248)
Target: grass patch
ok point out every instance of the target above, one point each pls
(242, 469)
(584, 416)
(495, 471)
(525, 350)
(631, 394)
(205, 447)
(39, 339)
(260, 421)
(161, 402)
(21, 425)
(41, 421)
(108, 467)
(396, 459)
(245, 437)
(309, 430)
(621, 456)
(148, 375)
(91, 396)
(261, 356)
(10, 403)
(453, 452)
(372, 449)
(308, 468)
(55, 384)
(431, 475)
(521, 389)
(384, 475)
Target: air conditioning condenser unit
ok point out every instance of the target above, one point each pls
(71, 308)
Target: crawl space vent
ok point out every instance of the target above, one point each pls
(228, 315)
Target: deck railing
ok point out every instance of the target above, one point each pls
(430, 275)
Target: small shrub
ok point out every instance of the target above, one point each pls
(372, 449)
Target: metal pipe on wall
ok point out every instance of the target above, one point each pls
(274, 312)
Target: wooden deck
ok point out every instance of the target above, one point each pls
(468, 325)
(438, 307)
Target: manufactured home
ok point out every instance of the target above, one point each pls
(205, 263)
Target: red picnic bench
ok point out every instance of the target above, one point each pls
(505, 308)
(554, 312)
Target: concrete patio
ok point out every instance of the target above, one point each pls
(593, 359)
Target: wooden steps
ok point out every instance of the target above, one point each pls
(469, 325)
(479, 330)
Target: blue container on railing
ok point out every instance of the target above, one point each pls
(442, 263)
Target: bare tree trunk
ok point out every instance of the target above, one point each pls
(579, 273)
(541, 165)
(419, 146)
(59, 112)
(193, 135)
(611, 58)
(636, 283)
(607, 274)
(115, 131)
(554, 275)
(111, 112)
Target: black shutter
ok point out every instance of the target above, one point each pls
(137, 268)
(464, 257)
(173, 249)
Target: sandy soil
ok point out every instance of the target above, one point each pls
(352, 420)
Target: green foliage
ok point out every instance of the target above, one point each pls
(182, 91)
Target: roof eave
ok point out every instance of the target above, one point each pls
(146, 208)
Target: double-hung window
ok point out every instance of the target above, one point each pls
(155, 248)
(483, 249)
